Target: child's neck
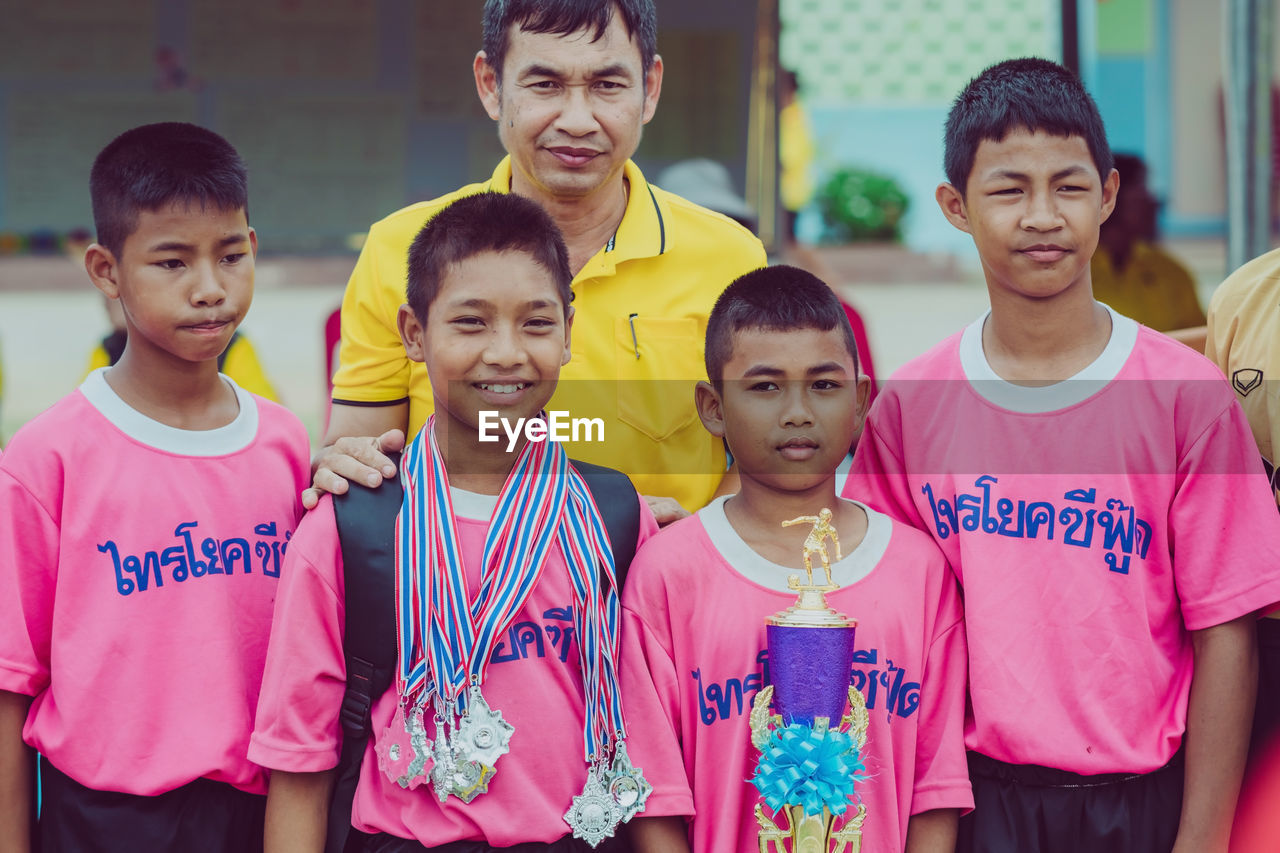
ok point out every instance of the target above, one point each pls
(470, 465)
(182, 395)
(1039, 342)
(757, 511)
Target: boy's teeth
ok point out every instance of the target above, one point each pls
(502, 389)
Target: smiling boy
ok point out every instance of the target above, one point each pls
(505, 599)
(1093, 486)
(142, 519)
(787, 395)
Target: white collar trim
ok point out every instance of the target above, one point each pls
(472, 505)
(1026, 399)
(224, 440)
(853, 568)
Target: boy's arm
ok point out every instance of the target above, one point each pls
(297, 811)
(659, 835)
(1219, 714)
(17, 781)
(933, 831)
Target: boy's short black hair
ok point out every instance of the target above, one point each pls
(774, 299)
(155, 165)
(486, 222)
(563, 17)
(1021, 94)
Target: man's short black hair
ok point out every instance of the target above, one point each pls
(564, 17)
(486, 222)
(773, 299)
(1021, 94)
(156, 165)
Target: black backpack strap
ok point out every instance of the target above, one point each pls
(619, 510)
(366, 521)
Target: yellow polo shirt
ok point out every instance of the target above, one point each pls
(1154, 288)
(641, 306)
(1244, 340)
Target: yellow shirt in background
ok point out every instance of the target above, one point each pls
(641, 307)
(1154, 288)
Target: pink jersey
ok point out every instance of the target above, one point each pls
(534, 679)
(138, 570)
(1092, 524)
(698, 597)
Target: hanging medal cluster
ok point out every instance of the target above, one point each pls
(445, 637)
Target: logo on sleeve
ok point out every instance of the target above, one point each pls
(1245, 380)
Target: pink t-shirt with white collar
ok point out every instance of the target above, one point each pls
(534, 679)
(1093, 524)
(138, 571)
(697, 599)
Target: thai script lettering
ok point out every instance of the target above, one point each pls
(186, 559)
(1078, 518)
(524, 639)
(884, 687)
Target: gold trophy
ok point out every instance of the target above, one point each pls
(810, 654)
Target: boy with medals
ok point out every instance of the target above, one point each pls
(506, 607)
(787, 395)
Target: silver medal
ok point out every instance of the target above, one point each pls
(483, 735)
(594, 816)
(417, 731)
(626, 784)
(442, 756)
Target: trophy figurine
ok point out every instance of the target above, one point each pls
(810, 747)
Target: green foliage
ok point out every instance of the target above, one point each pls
(858, 205)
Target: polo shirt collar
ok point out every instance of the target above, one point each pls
(643, 232)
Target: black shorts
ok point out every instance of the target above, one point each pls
(1021, 808)
(201, 817)
(383, 843)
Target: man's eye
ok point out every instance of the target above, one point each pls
(544, 85)
(610, 85)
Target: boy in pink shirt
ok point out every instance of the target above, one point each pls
(505, 620)
(1094, 487)
(142, 523)
(788, 397)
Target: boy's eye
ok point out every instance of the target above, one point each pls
(470, 322)
(540, 323)
(826, 384)
(1075, 189)
(1008, 191)
(234, 258)
(763, 386)
(170, 264)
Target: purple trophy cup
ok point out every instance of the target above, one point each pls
(810, 644)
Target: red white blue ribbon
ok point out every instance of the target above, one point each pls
(446, 637)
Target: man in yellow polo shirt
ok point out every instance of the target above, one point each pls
(570, 85)
(1244, 341)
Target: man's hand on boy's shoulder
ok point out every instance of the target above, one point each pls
(352, 459)
(665, 510)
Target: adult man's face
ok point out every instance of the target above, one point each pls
(569, 108)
